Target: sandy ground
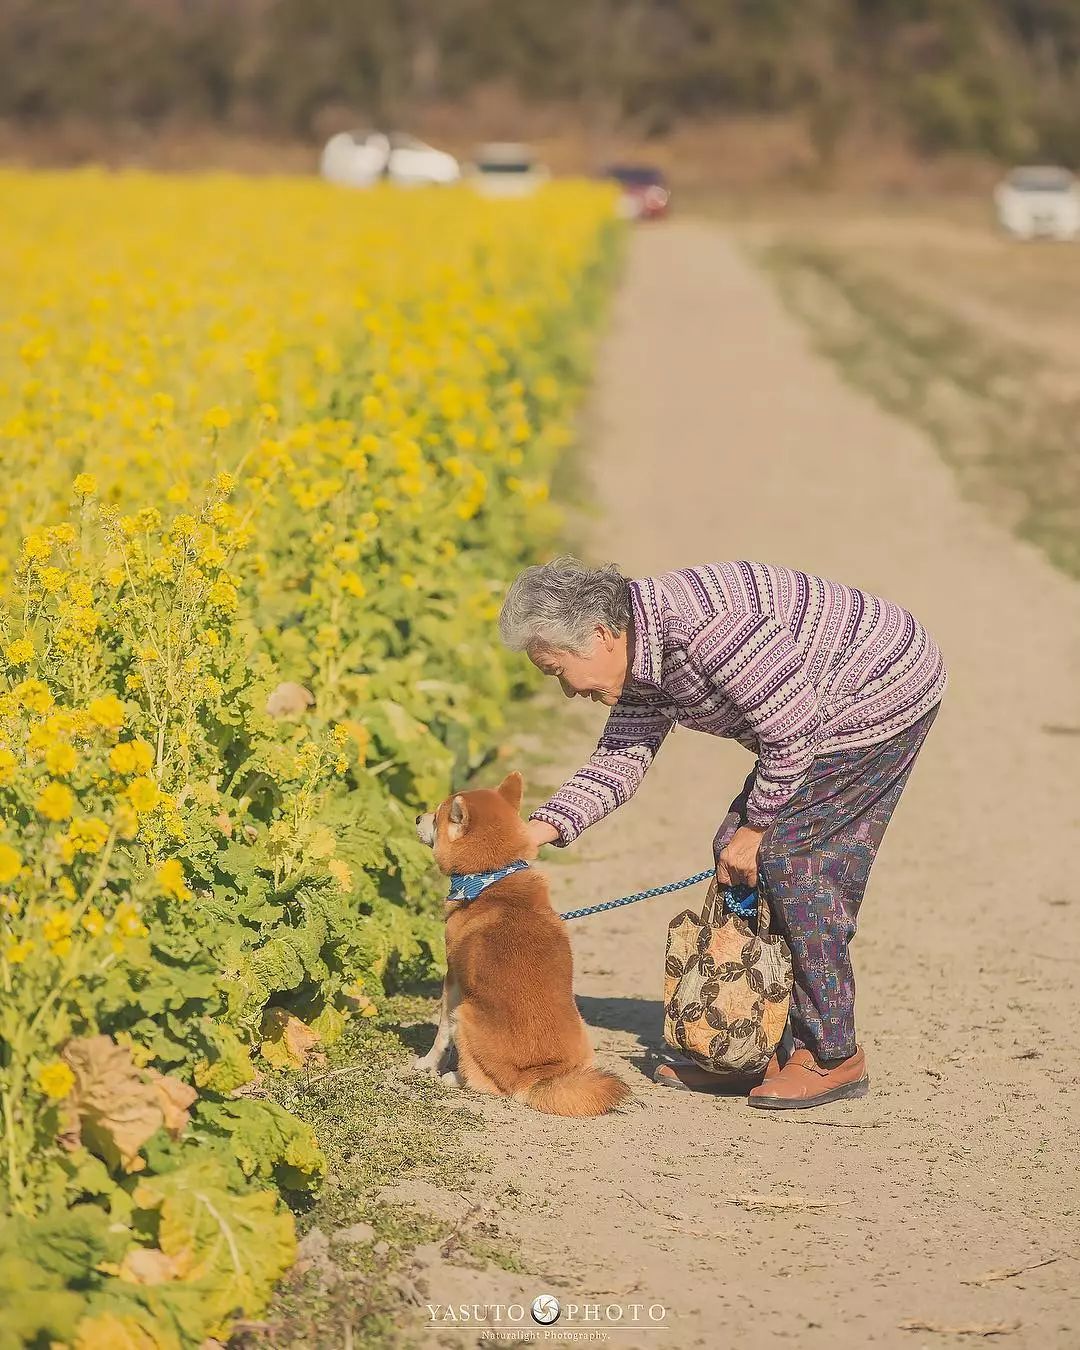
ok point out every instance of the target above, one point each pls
(717, 434)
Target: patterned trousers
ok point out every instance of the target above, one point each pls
(814, 862)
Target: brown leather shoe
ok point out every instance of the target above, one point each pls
(804, 1082)
(690, 1077)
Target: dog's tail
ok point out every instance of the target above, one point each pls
(580, 1092)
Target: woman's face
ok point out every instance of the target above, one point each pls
(599, 674)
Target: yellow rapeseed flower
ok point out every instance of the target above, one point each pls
(8, 765)
(217, 418)
(126, 821)
(10, 863)
(107, 712)
(34, 696)
(55, 802)
(52, 579)
(56, 1080)
(60, 759)
(143, 794)
(36, 547)
(19, 652)
(222, 595)
(170, 877)
(128, 920)
(85, 485)
(94, 921)
(57, 926)
(15, 953)
(87, 835)
(131, 757)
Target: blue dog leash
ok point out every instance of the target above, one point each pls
(467, 886)
(638, 895)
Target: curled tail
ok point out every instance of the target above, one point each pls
(581, 1092)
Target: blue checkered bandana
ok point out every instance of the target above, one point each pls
(468, 885)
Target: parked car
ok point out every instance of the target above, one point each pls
(361, 158)
(506, 169)
(644, 192)
(1039, 199)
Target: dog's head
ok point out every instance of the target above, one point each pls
(478, 831)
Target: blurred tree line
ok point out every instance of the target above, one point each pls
(995, 76)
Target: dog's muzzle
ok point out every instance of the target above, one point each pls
(425, 828)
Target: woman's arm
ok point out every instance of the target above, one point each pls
(754, 663)
(632, 735)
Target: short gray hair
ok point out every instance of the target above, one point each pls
(559, 603)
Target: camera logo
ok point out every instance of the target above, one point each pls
(545, 1309)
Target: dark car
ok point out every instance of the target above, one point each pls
(645, 194)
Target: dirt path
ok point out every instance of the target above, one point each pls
(718, 435)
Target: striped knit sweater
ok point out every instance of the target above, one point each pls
(789, 665)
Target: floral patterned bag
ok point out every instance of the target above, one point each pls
(726, 988)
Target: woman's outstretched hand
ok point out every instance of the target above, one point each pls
(737, 864)
(541, 832)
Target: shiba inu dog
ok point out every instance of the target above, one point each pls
(508, 1001)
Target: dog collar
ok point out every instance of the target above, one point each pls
(468, 885)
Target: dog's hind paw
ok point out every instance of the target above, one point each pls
(450, 1078)
(425, 1064)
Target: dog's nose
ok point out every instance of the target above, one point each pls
(419, 819)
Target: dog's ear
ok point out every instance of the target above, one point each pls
(511, 789)
(458, 818)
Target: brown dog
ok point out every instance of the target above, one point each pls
(508, 999)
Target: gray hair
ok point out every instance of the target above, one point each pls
(559, 603)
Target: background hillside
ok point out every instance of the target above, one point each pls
(995, 78)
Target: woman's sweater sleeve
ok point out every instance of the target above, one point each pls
(634, 732)
(754, 664)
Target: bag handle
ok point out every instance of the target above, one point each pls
(714, 906)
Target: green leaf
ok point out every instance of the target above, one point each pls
(66, 1243)
(278, 965)
(34, 1309)
(227, 1065)
(268, 1141)
(231, 1248)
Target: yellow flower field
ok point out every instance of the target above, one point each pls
(271, 452)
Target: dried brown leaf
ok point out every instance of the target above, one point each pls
(118, 1110)
(289, 699)
(148, 1265)
(175, 1099)
(287, 1042)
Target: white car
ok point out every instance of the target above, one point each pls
(361, 158)
(506, 169)
(1039, 199)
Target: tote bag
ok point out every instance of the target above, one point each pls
(727, 989)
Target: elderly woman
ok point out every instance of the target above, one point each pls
(831, 688)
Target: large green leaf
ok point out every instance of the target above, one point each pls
(268, 1141)
(230, 1248)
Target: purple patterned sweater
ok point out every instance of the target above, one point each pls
(789, 665)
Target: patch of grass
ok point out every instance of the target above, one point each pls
(375, 1129)
(1000, 412)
